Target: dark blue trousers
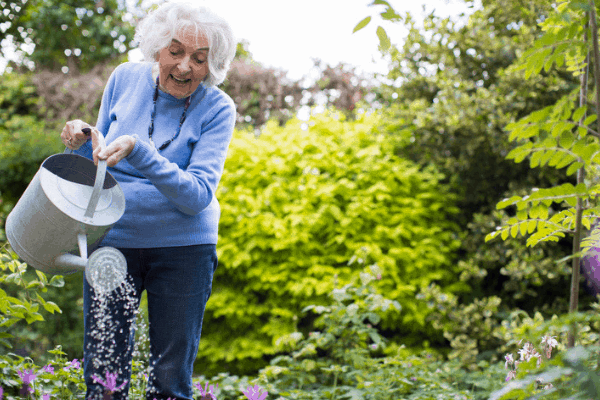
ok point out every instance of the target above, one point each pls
(178, 283)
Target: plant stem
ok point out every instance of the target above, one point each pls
(335, 386)
(594, 35)
(574, 300)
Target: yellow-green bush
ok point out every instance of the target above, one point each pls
(297, 206)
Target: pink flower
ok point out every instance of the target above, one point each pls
(27, 376)
(111, 382)
(73, 364)
(253, 393)
(49, 369)
(206, 393)
(46, 397)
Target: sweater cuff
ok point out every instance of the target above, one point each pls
(140, 151)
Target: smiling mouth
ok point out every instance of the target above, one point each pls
(180, 81)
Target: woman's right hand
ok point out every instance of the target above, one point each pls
(72, 134)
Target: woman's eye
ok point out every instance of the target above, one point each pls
(200, 61)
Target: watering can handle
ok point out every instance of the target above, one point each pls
(98, 183)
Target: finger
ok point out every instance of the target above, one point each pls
(96, 140)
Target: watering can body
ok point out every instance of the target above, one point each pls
(67, 209)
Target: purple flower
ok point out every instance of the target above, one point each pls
(27, 376)
(206, 393)
(73, 364)
(253, 393)
(1, 393)
(111, 382)
(46, 397)
(49, 369)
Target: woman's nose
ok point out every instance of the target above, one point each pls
(184, 65)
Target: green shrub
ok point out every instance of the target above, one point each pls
(23, 304)
(296, 206)
(344, 358)
(24, 142)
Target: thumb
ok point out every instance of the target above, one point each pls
(97, 143)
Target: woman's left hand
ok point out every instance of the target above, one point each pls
(116, 151)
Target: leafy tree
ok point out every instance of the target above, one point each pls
(562, 135)
(453, 93)
(77, 34)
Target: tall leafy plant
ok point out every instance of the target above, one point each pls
(561, 136)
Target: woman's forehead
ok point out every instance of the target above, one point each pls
(190, 38)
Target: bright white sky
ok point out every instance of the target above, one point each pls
(287, 34)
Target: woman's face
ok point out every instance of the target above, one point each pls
(183, 65)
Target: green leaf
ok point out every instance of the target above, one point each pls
(31, 318)
(566, 139)
(573, 168)
(523, 228)
(57, 281)
(590, 119)
(579, 113)
(362, 24)
(531, 225)
(51, 307)
(384, 40)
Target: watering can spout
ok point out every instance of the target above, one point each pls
(71, 261)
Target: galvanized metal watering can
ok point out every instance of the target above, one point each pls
(66, 210)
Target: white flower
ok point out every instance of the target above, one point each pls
(509, 360)
(550, 341)
(511, 375)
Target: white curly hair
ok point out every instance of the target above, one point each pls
(160, 26)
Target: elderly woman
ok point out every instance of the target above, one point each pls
(167, 128)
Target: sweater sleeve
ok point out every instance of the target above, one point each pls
(190, 190)
(103, 122)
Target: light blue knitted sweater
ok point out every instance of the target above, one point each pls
(169, 194)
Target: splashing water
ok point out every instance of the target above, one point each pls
(113, 314)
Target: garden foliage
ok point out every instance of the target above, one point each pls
(24, 143)
(453, 92)
(296, 205)
(564, 136)
(24, 305)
